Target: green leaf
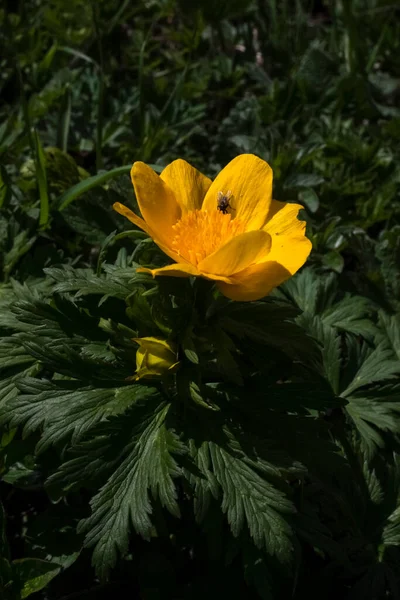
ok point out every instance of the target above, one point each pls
(203, 480)
(378, 366)
(353, 314)
(334, 261)
(310, 199)
(189, 348)
(34, 574)
(268, 323)
(330, 347)
(65, 409)
(21, 244)
(373, 409)
(304, 290)
(13, 354)
(124, 499)
(248, 499)
(391, 531)
(391, 326)
(23, 477)
(303, 180)
(117, 282)
(225, 350)
(8, 386)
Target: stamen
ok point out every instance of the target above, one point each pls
(200, 233)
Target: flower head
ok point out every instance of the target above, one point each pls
(229, 230)
(155, 357)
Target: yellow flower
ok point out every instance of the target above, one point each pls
(229, 230)
(155, 357)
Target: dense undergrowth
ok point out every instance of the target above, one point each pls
(268, 465)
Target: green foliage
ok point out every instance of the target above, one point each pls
(267, 466)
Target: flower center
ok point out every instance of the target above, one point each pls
(199, 233)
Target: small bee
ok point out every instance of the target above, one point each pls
(223, 202)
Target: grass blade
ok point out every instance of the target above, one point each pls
(101, 91)
(87, 184)
(40, 164)
(78, 54)
(65, 120)
(5, 187)
(91, 182)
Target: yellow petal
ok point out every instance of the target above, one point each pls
(156, 201)
(182, 270)
(290, 246)
(129, 214)
(259, 279)
(255, 282)
(156, 351)
(140, 357)
(154, 357)
(177, 270)
(189, 185)
(250, 180)
(282, 218)
(237, 254)
(291, 252)
(155, 344)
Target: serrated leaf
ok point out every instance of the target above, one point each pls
(378, 366)
(374, 409)
(8, 386)
(350, 314)
(304, 290)
(391, 325)
(391, 530)
(311, 292)
(248, 499)
(65, 409)
(12, 353)
(117, 283)
(268, 323)
(148, 465)
(330, 347)
(204, 482)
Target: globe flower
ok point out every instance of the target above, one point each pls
(229, 230)
(155, 357)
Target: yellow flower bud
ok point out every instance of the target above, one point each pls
(155, 357)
